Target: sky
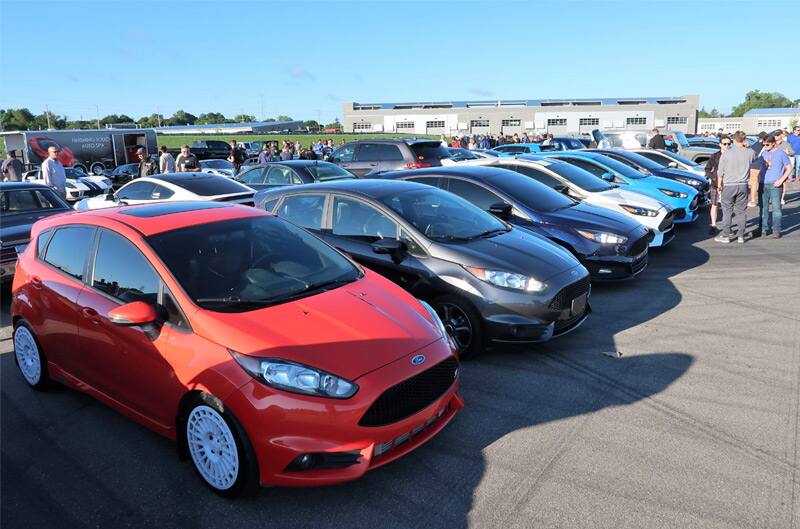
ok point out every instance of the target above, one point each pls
(304, 59)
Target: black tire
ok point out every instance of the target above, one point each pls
(95, 166)
(24, 338)
(246, 481)
(447, 307)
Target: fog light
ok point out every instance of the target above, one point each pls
(305, 461)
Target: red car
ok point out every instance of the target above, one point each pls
(269, 356)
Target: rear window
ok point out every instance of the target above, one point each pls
(432, 152)
(208, 186)
(22, 200)
(531, 193)
(324, 171)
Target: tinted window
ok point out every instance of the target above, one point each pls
(29, 200)
(589, 167)
(480, 196)
(368, 152)
(41, 242)
(305, 210)
(429, 152)
(216, 164)
(68, 249)
(122, 272)
(174, 313)
(539, 176)
(512, 149)
(536, 196)
(389, 153)
(269, 205)
(633, 159)
(579, 177)
(136, 191)
(344, 153)
(244, 264)
(210, 185)
(161, 193)
(280, 175)
(357, 220)
(434, 181)
(442, 216)
(323, 171)
(621, 168)
(253, 176)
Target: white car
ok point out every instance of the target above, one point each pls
(76, 186)
(173, 187)
(584, 186)
(672, 160)
(218, 167)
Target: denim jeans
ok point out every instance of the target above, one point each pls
(797, 166)
(771, 194)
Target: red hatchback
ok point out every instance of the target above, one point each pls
(269, 356)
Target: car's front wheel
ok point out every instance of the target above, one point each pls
(28, 355)
(219, 449)
(98, 168)
(463, 323)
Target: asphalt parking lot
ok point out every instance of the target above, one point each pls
(695, 425)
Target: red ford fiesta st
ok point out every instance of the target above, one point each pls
(267, 355)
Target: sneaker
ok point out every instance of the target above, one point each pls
(755, 234)
(783, 202)
(776, 235)
(740, 240)
(712, 230)
(723, 239)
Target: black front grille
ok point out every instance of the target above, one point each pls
(8, 253)
(412, 395)
(638, 246)
(638, 265)
(667, 222)
(563, 300)
(680, 213)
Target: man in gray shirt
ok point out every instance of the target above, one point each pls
(733, 174)
(12, 168)
(53, 172)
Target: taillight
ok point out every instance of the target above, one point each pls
(417, 165)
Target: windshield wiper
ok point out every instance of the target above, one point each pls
(325, 285)
(236, 300)
(490, 233)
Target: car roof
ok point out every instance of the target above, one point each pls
(11, 186)
(474, 172)
(177, 178)
(407, 141)
(293, 163)
(158, 217)
(366, 187)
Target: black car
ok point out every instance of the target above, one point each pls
(611, 245)
(22, 204)
(486, 279)
(362, 157)
(122, 174)
(291, 172)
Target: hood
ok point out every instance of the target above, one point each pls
(348, 331)
(516, 251)
(631, 198)
(699, 150)
(586, 216)
(672, 173)
(17, 227)
(665, 183)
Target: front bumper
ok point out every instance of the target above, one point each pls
(690, 212)
(616, 268)
(283, 426)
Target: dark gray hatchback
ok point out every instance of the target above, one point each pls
(487, 280)
(363, 157)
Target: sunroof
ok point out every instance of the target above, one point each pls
(168, 208)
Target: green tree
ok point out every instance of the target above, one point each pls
(311, 125)
(243, 118)
(334, 125)
(181, 117)
(283, 118)
(16, 119)
(703, 113)
(211, 117)
(757, 99)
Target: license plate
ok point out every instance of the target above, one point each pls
(579, 305)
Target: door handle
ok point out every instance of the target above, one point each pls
(36, 282)
(91, 314)
(373, 165)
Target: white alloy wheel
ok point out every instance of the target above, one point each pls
(27, 353)
(212, 447)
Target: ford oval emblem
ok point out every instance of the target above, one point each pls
(417, 360)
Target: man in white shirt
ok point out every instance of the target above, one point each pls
(166, 162)
(53, 172)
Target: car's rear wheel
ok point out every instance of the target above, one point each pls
(463, 323)
(79, 167)
(219, 449)
(98, 168)
(28, 355)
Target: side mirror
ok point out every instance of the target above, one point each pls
(395, 249)
(131, 314)
(561, 188)
(500, 210)
(672, 165)
(608, 177)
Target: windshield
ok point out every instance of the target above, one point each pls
(216, 164)
(583, 179)
(244, 264)
(442, 216)
(429, 152)
(324, 171)
(641, 161)
(625, 140)
(73, 173)
(209, 185)
(679, 158)
(619, 167)
(531, 193)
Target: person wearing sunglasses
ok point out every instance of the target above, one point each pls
(712, 166)
(779, 167)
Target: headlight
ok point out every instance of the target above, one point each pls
(106, 181)
(675, 194)
(644, 212)
(437, 320)
(69, 185)
(603, 237)
(295, 378)
(688, 181)
(507, 279)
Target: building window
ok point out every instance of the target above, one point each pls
(589, 121)
(556, 122)
(404, 125)
(511, 123)
(707, 126)
(733, 126)
(479, 123)
(677, 120)
(636, 121)
(434, 124)
(769, 123)
(362, 126)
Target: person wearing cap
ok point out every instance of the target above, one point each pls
(147, 167)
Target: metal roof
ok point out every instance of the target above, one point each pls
(231, 125)
(773, 112)
(522, 102)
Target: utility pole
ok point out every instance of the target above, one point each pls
(97, 109)
(47, 113)
(263, 117)
(319, 125)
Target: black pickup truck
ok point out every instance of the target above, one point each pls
(207, 149)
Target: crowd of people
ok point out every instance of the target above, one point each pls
(490, 141)
(743, 175)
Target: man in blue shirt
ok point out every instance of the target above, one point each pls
(778, 170)
(794, 141)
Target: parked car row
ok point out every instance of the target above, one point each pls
(318, 334)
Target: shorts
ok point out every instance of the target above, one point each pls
(713, 195)
(753, 181)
